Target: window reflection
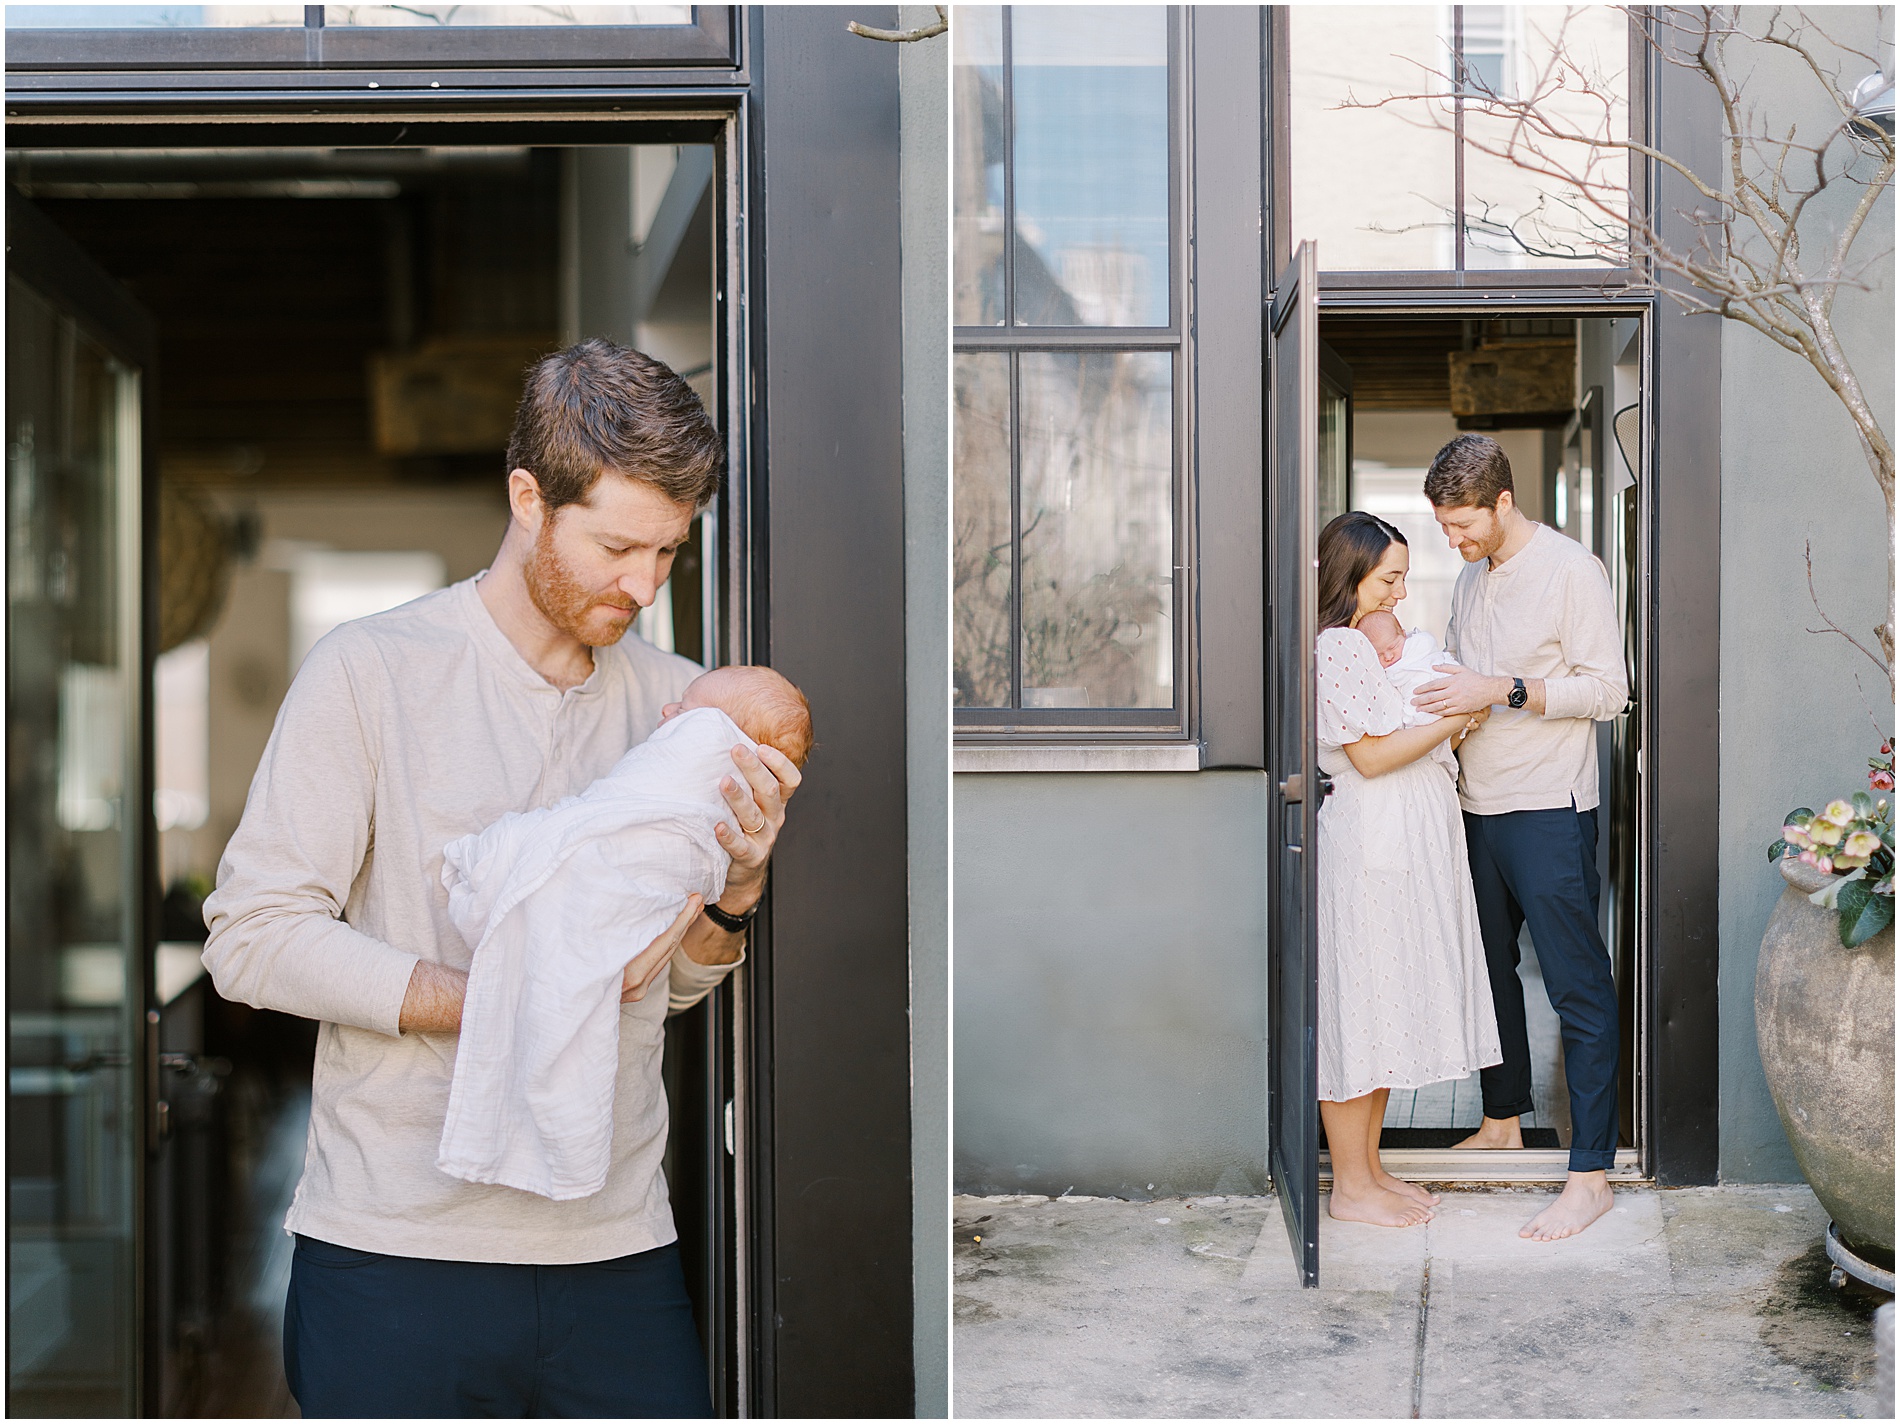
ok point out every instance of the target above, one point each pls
(1097, 528)
(1374, 145)
(1574, 64)
(981, 554)
(1091, 174)
(1374, 186)
(186, 17)
(982, 144)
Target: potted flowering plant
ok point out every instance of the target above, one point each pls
(1851, 841)
(1824, 997)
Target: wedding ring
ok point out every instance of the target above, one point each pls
(754, 830)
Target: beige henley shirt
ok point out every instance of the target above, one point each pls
(401, 733)
(1545, 612)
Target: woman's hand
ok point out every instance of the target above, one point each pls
(650, 963)
(757, 796)
(1472, 723)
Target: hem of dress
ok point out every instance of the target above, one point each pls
(1451, 1077)
(513, 1246)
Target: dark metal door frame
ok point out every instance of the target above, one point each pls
(1293, 755)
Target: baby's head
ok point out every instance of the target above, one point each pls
(766, 706)
(1387, 636)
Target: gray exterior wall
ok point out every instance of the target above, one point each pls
(1796, 728)
(923, 78)
(1111, 983)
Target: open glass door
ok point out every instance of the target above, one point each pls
(1293, 755)
(78, 804)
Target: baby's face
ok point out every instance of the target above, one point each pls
(1387, 638)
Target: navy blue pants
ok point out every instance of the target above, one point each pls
(370, 1336)
(1540, 868)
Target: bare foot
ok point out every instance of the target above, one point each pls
(1385, 1181)
(1377, 1207)
(1497, 1133)
(1585, 1197)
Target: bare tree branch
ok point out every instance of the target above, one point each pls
(922, 32)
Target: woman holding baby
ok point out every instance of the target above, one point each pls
(1404, 998)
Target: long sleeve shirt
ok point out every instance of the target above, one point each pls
(403, 732)
(1546, 612)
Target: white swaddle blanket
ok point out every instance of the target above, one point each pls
(1417, 665)
(554, 903)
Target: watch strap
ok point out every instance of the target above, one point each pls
(730, 923)
(1519, 693)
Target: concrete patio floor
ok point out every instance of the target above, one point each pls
(1698, 1302)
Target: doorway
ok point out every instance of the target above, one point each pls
(340, 334)
(1562, 393)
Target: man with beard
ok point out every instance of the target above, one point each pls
(1535, 627)
(413, 1292)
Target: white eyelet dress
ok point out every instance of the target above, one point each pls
(1404, 998)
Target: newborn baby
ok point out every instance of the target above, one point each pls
(555, 902)
(1410, 661)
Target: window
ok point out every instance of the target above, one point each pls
(318, 37)
(1068, 371)
(1415, 101)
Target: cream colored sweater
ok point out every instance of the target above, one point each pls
(1544, 612)
(401, 733)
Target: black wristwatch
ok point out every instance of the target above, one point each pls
(1518, 696)
(731, 924)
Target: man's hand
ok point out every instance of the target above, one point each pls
(1464, 692)
(650, 963)
(757, 795)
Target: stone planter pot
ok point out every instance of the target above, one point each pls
(1824, 1021)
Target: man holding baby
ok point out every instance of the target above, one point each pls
(1534, 631)
(414, 1292)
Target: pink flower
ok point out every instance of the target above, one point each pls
(1796, 836)
(1862, 844)
(1824, 864)
(1881, 780)
(1839, 812)
(1825, 832)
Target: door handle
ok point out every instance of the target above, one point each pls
(1293, 789)
(1325, 787)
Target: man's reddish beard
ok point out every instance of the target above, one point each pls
(565, 601)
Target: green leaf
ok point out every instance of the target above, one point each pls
(1863, 805)
(1800, 816)
(1863, 913)
(1777, 851)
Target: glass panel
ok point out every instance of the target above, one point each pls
(1091, 96)
(1374, 186)
(1335, 476)
(980, 581)
(982, 140)
(1574, 65)
(132, 17)
(1097, 469)
(72, 1121)
(184, 17)
(492, 15)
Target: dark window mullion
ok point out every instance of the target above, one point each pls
(1459, 76)
(1015, 533)
(1009, 183)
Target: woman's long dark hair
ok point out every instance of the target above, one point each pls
(1349, 549)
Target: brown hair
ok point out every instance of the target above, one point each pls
(1470, 472)
(1349, 549)
(600, 406)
